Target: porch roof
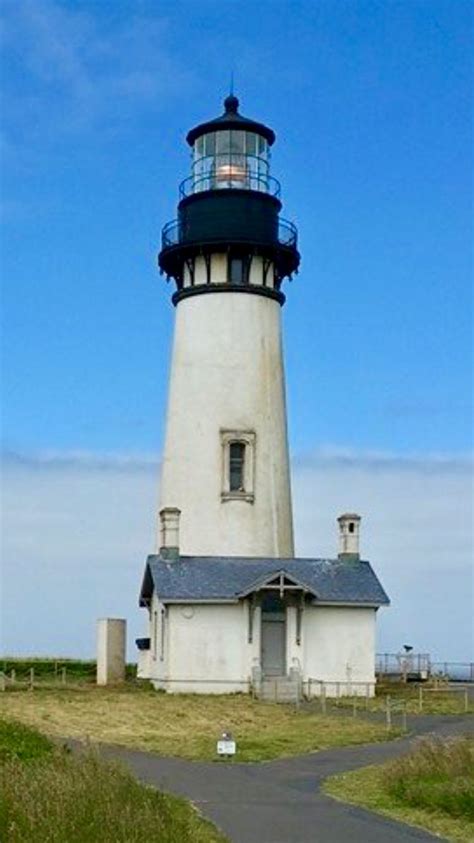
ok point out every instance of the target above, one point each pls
(215, 578)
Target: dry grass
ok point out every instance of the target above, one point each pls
(431, 787)
(186, 725)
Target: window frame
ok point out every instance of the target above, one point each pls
(154, 633)
(244, 267)
(237, 459)
(248, 439)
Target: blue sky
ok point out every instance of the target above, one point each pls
(371, 105)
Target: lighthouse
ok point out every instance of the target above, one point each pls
(225, 459)
(230, 607)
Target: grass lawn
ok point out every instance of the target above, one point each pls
(432, 787)
(51, 796)
(186, 725)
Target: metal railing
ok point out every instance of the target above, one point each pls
(454, 671)
(175, 232)
(420, 665)
(230, 181)
(230, 170)
(337, 689)
(403, 664)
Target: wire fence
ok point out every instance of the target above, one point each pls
(29, 674)
(460, 691)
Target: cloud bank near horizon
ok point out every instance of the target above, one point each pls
(77, 527)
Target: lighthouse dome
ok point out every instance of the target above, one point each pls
(231, 119)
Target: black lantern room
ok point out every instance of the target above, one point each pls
(229, 205)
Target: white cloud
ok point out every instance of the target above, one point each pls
(417, 530)
(79, 68)
(77, 528)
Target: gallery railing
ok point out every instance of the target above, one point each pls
(175, 233)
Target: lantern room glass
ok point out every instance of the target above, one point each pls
(231, 159)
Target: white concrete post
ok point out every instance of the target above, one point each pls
(111, 637)
(349, 525)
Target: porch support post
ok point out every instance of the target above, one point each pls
(252, 606)
(299, 616)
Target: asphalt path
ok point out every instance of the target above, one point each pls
(281, 801)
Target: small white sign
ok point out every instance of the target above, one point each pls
(226, 747)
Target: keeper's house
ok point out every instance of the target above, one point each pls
(222, 624)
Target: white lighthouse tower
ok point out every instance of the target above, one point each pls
(230, 608)
(225, 462)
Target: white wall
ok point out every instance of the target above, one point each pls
(227, 374)
(219, 271)
(338, 645)
(206, 649)
(156, 664)
(143, 664)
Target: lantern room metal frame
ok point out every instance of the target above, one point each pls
(230, 203)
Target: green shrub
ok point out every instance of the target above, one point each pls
(437, 775)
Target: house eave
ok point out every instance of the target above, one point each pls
(266, 583)
(197, 600)
(349, 604)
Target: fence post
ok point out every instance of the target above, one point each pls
(466, 700)
(367, 694)
(388, 713)
(63, 675)
(404, 717)
(354, 707)
(32, 678)
(323, 699)
(13, 676)
(420, 699)
(275, 690)
(2, 681)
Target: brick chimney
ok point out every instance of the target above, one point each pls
(169, 532)
(349, 524)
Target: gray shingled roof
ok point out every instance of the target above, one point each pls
(194, 578)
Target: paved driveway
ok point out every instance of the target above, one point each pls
(280, 801)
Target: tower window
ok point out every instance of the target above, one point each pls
(237, 271)
(238, 458)
(236, 466)
(351, 527)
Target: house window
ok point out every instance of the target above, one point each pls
(162, 636)
(155, 634)
(236, 466)
(238, 458)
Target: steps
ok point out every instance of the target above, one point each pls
(280, 689)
